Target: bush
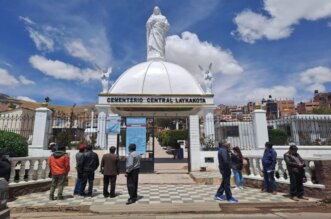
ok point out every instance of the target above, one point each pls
(13, 144)
(277, 136)
(170, 137)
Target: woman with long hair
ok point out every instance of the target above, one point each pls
(237, 166)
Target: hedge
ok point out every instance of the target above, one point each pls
(277, 136)
(13, 144)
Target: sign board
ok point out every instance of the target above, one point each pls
(113, 124)
(136, 134)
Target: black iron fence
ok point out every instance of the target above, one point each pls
(70, 129)
(20, 124)
(303, 129)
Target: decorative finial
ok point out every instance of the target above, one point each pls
(257, 105)
(46, 101)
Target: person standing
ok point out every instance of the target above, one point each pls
(59, 164)
(110, 170)
(87, 166)
(269, 161)
(132, 173)
(237, 166)
(5, 167)
(79, 155)
(224, 162)
(295, 167)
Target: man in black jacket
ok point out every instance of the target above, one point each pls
(87, 165)
(5, 167)
(295, 167)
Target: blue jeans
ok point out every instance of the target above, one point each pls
(78, 184)
(225, 185)
(238, 178)
(269, 183)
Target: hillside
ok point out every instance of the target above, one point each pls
(7, 101)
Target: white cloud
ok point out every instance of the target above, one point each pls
(77, 49)
(42, 42)
(25, 81)
(27, 20)
(189, 52)
(41, 39)
(5, 63)
(25, 98)
(315, 78)
(281, 17)
(79, 39)
(278, 92)
(7, 79)
(61, 70)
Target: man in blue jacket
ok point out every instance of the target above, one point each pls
(269, 161)
(224, 162)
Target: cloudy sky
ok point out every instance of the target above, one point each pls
(257, 47)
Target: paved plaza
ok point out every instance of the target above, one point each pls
(149, 194)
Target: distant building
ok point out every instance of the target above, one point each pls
(307, 107)
(286, 108)
(271, 107)
(19, 120)
(324, 99)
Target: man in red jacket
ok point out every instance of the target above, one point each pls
(59, 165)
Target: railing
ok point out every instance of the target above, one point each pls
(20, 124)
(281, 172)
(305, 129)
(28, 169)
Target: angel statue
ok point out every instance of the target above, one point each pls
(208, 78)
(104, 76)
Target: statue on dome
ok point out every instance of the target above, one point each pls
(208, 78)
(157, 25)
(104, 76)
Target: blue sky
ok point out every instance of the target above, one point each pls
(278, 47)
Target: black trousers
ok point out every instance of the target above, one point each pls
(296, 183)
(87, 177)
(132, 184)
(106, 180)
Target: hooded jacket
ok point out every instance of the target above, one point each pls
(59, 163)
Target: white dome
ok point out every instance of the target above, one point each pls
(156, 77)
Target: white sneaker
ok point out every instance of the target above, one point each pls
(236, 189)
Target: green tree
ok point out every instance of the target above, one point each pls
(322, 110)
(277, 136)
(13, 144)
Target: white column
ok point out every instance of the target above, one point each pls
(102, 136)
(209, 128)
(194, 143)
(41, 128)
(260, 127)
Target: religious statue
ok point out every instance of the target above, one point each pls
(208, 78)
(104, 76)
(157, 25)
